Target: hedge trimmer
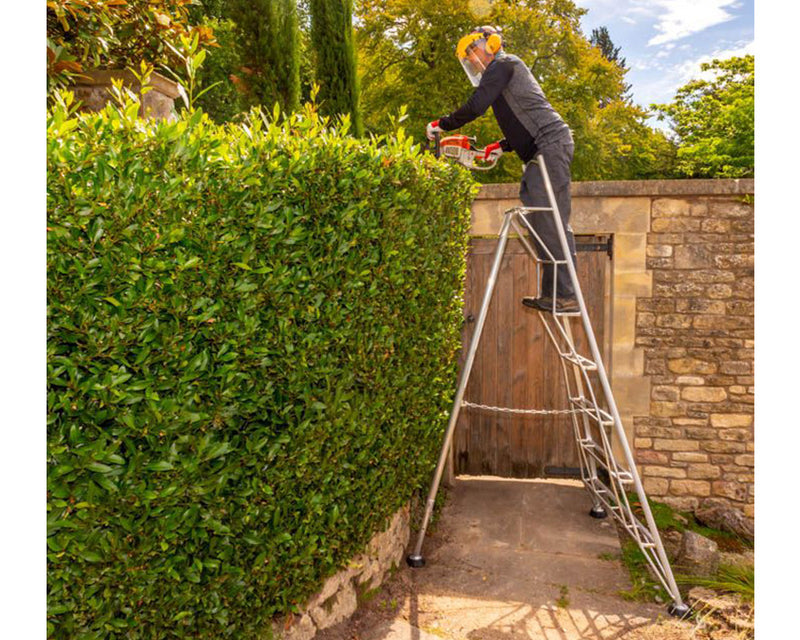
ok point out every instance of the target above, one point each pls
(462, 149)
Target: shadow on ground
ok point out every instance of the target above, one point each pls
(508, 560)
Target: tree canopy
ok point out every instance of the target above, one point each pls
(713, 120)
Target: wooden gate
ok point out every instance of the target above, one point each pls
(516, 366)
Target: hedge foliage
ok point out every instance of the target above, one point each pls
(252, 350)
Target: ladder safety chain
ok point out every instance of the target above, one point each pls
(527, 412)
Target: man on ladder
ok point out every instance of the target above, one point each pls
(540, 137)
(531, 126)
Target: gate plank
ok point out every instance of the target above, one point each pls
(516, 366)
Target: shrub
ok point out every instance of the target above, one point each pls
(252, 348)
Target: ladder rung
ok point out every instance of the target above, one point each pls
(578, 359)
(594, 412)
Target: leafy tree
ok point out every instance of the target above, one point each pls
(601, 39)
(223, 68)
(267, 34)
(335, 59)
(407, 57)
(714, 121)
(111, 34)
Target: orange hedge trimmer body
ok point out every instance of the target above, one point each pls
(462, 150)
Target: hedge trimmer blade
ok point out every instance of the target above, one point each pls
(462, 149)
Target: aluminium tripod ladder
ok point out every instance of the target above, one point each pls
(607, 481)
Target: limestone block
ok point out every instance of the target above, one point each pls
(747, 460)
(736, 367)
(675, 225)
(721, 446)
(670, 207)
(663, 472)
(630, 251)
(729, 209)
(675, 445)
(740, 435)
(690, 422)
(667, 409)
(674, 321)
(715, 226)
(689, 456)
(704, 472)
(694, 381)
(336, 608)
(648, 456)
(633, 283)
(704, 394)
(610, 215)
(666, 392)
(700, 305)
(694, 256)
(698, 556)
(727, 420)
(691, 365)
(719, 291)
(659, 251)
(699, 488)
(655, 486)
(728, 489)
(719, 514)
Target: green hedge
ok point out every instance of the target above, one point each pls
(252, 344)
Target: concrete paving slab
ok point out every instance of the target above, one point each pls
(508, 560)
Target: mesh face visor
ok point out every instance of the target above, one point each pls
(467, 56)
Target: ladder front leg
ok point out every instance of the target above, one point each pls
(415, 559)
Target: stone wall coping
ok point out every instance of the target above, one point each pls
(634, 188)
(103, 78)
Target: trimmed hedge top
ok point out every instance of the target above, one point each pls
(252, 350)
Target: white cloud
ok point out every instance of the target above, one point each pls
(681, 18)
(690, 69)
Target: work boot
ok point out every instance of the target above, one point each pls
(545, 303)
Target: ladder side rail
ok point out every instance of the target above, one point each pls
(416, 557)
(588, 463)
(578, 372)
(674, 591)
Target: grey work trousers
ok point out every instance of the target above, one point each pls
(532, 192)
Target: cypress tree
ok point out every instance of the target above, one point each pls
(269, 46)
(335, 58)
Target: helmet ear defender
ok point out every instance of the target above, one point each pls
(493, 43)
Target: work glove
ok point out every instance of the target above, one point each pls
(433, 127)
(493, 148)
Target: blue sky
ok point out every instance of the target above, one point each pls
(665, 41)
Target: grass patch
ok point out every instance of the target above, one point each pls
(563, 598)
(732, 579)
(644, 588)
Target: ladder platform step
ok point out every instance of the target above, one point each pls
(624, 477)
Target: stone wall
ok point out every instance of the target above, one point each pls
(339, 596)
(697, 331)
(93, 91)
(679, 328)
